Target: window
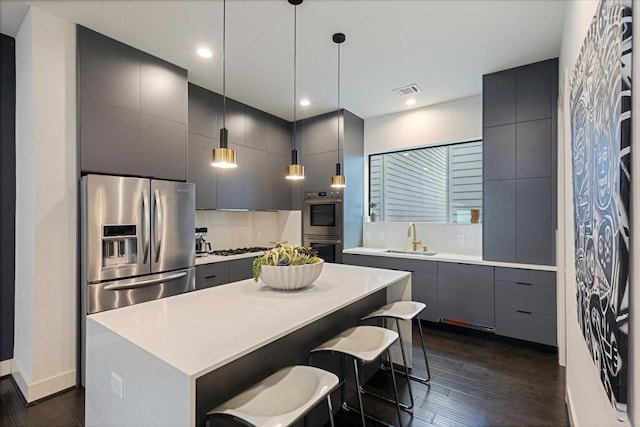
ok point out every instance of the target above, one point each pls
(433, 184)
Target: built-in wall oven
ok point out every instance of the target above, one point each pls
(323, 213)
(329, 248)
(323, 223)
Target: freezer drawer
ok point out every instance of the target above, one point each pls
(121, 293)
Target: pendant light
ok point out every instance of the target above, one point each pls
(295, 171)
(224, 157)
(338, 180)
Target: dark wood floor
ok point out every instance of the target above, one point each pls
(478, 380)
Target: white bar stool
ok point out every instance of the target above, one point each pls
(280, 399)
(364, 344)
(404, 310)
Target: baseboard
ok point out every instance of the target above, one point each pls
(569, 401)
(38, 390)
(5, 367)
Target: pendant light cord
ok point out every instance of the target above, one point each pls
(295, 58)
(339, 113)
(224, 68)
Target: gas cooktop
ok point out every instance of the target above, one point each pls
(239, 251)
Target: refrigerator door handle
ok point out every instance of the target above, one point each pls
(145, 226)
(158, 209)
(122, 285)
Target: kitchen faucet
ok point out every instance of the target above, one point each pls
(415, 242)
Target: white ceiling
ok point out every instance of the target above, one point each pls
(443, 46)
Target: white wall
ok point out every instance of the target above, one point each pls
(46, 191)
(589, 405)
(454, 121)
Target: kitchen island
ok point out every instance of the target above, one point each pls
(166, 362)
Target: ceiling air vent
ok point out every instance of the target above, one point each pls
(407, 90)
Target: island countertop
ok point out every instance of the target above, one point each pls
(199, 331)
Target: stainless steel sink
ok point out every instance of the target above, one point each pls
(404, 251)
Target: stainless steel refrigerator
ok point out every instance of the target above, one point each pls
(137, 242)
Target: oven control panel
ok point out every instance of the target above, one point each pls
(322, 194)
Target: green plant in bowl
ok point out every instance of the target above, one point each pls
(285, 256)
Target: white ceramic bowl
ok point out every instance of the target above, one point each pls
(292, 277)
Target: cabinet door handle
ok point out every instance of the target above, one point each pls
(210, 277)
(524, 283)
(524, 312)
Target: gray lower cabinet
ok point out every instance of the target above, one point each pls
(466, 294)
(424, 289)
(240, 269)
(526, 305)
(424, 278)
(214, 274)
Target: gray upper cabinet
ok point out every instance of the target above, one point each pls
(518, 149)
(499, 98)
(163, 89)
(533, 149)
(262, 143)
(499, 221)
(466, 293)
(499, 152)
(318, 169)
(109, 70)
(534, 91)
(205, 109)
(132, 110)
(319, 134)
(279, 186)
(110, 138)
(534, 235)
(200, 170)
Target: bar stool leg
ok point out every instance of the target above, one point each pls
(330, 410)
(427, 380)
(406, 367)
(359, 390)
(395, 389)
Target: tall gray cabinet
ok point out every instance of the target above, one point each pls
(520, 164)
(263, 146)
(317, 142)
(132, 110)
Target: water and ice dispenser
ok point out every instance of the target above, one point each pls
(119, 245)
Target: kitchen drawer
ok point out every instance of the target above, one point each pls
(214, 274)
(526, 326)
(536, 277)
(390, 263)
(240, 269)
(535, 298)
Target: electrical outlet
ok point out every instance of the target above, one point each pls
(117, 385)
(461, 239)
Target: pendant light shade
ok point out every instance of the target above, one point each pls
(224, 157)
(295, 171)
(338, 180)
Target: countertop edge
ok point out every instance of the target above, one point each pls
(444, 257)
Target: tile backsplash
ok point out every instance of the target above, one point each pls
(237, 229)
(462, 239)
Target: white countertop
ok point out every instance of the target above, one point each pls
(200, 331)
(208, 259)
(465, 259)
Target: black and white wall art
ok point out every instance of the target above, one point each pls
(601, 160)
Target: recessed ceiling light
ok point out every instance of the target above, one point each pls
(305, 102)
(204, 52)
(410, 102)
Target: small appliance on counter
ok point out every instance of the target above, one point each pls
(203, 248)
